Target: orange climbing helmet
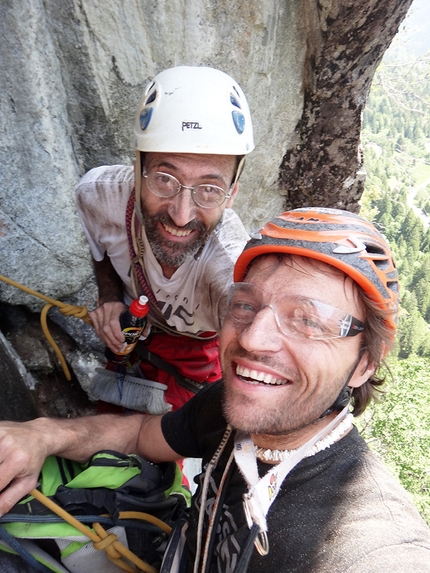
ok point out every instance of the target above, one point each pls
(338, 238)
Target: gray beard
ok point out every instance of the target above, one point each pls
(172, 258)
(171, 253)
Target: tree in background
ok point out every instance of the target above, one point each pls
(396, 143)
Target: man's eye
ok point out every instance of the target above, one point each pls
(311, 323)
(307, 322)
(163, 180)
(209, 191)
(242, 310)
(243, 306)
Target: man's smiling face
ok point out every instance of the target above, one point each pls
(277, 384)
(176, 227)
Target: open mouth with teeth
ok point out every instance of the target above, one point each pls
(177, 232)
(257, 377)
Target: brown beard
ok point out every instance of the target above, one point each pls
(285, 417)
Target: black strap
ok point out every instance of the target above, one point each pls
(175, 553)
(140, 525)
(81, 499)
(100, 498)
(187, 383)
(248, 550)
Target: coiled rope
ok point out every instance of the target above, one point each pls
(106, 540)
(65, 309)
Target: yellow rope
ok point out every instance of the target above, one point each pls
(65, 309)
(146, 517)
(102, 539)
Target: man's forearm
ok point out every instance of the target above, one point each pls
(109, 284)
(80, 438)
(24, 446)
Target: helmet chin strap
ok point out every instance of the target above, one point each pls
(344, 396)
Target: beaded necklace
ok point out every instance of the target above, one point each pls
(280, 455)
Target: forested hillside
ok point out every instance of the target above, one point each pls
(396, 141)
(396, 147)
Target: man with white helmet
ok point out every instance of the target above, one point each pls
(174, 238)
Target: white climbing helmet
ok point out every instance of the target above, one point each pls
(194, 110)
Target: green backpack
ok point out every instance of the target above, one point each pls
(104, 491)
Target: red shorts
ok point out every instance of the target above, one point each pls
(197, 359)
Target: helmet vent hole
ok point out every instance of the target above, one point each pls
(239, 121)
(374, 249)
(382, 264)
(380, 261)
(149, 88)
(151, 97)
(234, 101)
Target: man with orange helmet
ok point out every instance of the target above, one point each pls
(166, 228)
(288, 484)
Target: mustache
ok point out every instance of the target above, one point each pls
(165, 219)
(237, 351)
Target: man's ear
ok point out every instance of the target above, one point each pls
(235, 191)
(364, 370)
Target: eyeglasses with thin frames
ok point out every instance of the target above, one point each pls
(165, 185)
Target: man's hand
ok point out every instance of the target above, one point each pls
(24, 446)
(105, 320)
(22, 453)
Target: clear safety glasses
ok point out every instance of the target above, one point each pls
(295, 315)
(165, 185)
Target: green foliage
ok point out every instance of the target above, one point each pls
(397, 428)
(396, 142)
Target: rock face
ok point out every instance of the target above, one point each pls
(72, 73)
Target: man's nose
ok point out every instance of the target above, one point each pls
(182, 208)
(262, 335)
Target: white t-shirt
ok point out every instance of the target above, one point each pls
(194, 299)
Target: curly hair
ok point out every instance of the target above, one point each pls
(377, 341)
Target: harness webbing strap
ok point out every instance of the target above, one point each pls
(145, 354)
(248, 550)
(134, 249)
(20, 550)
